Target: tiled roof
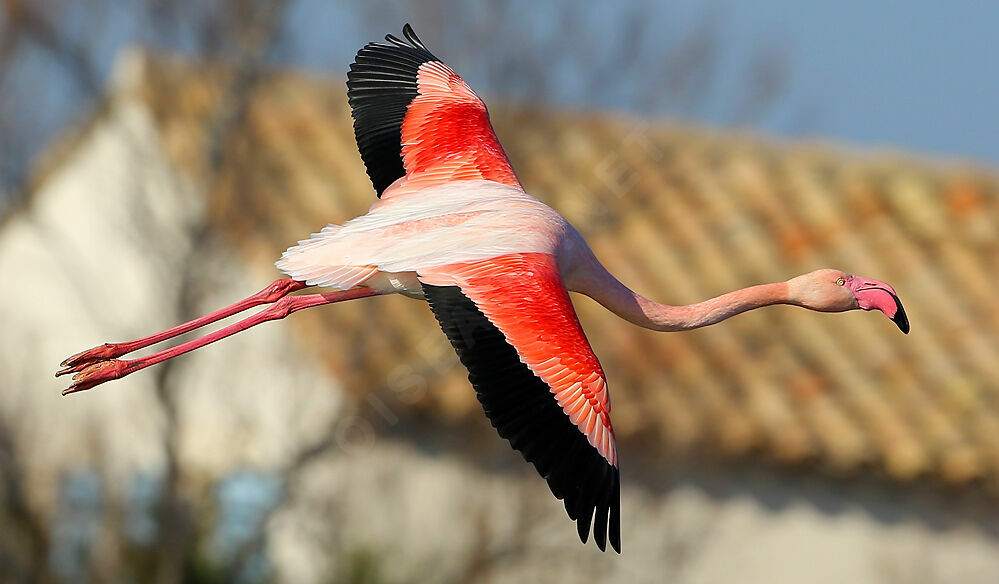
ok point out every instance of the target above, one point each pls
(678, 214)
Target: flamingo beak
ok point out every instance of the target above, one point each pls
(900, 318)
(872, 294)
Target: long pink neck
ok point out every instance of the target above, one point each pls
(603, 287)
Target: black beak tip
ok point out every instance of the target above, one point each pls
(900, 318)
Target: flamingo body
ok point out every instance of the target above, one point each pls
(454, 227)
(414, 228)
(485, 256)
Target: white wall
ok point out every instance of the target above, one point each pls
(99, 254)
(424, 512)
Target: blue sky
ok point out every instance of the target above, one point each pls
(915, 75)
(919, 76)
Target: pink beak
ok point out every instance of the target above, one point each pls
(872, 294)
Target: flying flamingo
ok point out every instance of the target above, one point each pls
(454, 227)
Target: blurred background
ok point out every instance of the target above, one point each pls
(157, 156)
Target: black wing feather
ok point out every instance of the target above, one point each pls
(381, 84)
(523, 410)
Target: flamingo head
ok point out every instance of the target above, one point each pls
(837, 291)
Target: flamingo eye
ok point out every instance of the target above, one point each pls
(841, 281)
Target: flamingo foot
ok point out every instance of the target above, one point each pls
(99, 353)
(89, 375)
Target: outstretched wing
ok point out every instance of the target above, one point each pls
(415, 117)
(512, 323)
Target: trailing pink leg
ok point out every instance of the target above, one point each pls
(272, 293)
(95, 371)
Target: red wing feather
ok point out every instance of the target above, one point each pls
(523, 296)
(446, 133)
(512, 323)
(415, 117)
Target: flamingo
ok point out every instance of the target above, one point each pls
(453, 226)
